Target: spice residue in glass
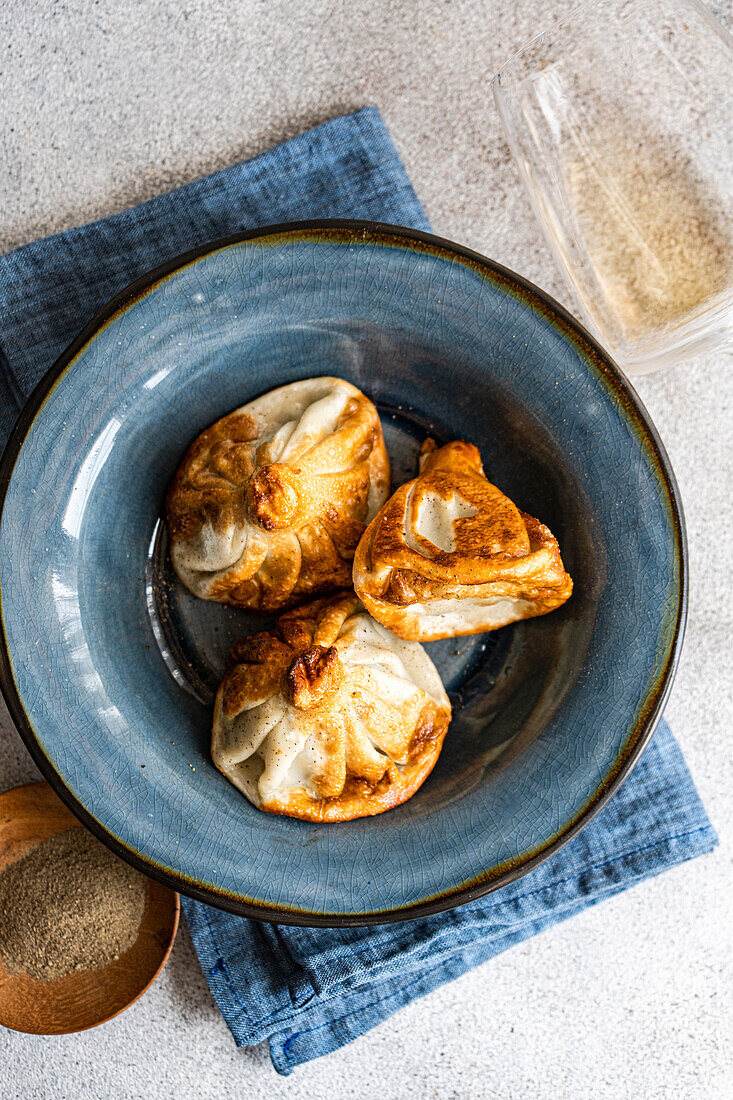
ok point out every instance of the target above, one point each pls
(659, 244)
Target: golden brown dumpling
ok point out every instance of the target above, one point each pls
(269, 503)
(329, 716)
(449, 554)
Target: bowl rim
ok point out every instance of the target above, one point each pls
(355, 232)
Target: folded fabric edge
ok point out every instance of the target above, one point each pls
(290, 1048)
(366, 118)
(10, 400)
(498, 914)
(248, 1030)
(505, 917)
(361, 130)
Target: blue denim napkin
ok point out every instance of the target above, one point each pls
(307, 990)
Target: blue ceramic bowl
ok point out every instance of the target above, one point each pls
(108, 666)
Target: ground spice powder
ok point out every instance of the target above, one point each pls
(69, 905)
(658, 242)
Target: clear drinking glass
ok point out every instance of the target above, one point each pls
(620, 118)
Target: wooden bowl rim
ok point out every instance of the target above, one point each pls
(176, 903)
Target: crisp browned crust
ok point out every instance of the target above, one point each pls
(499, 553)
(313, 678)
(205, 485)
(300, 663)
(362, 798)
(251, 528)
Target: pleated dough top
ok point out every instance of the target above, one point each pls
(269, 503)
(329, 716)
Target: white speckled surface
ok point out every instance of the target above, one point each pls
(105, 104)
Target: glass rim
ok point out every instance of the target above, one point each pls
(507, 69)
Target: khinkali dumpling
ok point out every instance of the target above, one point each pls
(450, 554)
(329, 716)
(269, 503)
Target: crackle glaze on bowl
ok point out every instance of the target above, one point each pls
(108, 665)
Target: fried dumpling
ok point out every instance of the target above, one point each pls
(328, 717)
(269, 503)
(450, 554)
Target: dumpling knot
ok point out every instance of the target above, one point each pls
(273, 499)
(313, 677)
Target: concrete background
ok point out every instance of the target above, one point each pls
(104, 104)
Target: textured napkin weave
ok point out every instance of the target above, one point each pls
(311, 990)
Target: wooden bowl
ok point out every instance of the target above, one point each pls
(29, 815)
